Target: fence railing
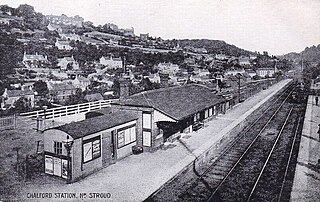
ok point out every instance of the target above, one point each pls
(9, 122)
(68, 110)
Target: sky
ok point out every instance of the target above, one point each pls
(276, 26)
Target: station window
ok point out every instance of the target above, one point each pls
(57, 147)
(91, 149)
(126, 136)
(210, 111)
(146, 120)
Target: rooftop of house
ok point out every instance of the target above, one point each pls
(177, 102)
(34, 57)
(111, 58)
(17, 93)
(68, 59)
(63, 42)
(265, 68)
(60, 86)
(96, 124)
(93, 97)
(82, 79)
(55, 26)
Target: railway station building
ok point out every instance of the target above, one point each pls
(165, 113)
(96, 143)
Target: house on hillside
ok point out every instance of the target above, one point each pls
(111, 62)
(9, 97)
(234, 71)
(244, 61)
(144, 37)
(68, 63)
(60, 91)
(70, 37)
(266, 72)
(34, 61)
(81, 82)
(93, 97)
(65, 20)
(154, 78)
(54, 27)
(221, 57)
(168, 68)
(251, 72)
(63, 45)
(128, 32)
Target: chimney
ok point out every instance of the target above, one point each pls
(124, 86)
(164, 79)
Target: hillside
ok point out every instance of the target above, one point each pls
(309, 54)
(214, 46)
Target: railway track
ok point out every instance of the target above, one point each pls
(209, 184)
(212, 183)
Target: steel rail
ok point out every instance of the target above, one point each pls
(247, 149)
(289, 159)
(269, 155)
(243, 133)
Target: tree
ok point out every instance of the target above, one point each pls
(22, 105)
(41, 88)
(32, 19)
(76, 98)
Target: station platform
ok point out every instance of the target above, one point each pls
(138, 176)
(306, 184)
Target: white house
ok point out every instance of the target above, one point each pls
(221, 57)
(63, 45)
(251, 72)
(235, 72)
(154, 78)
(64, 62)
(201, 72)
(110, 62)
(34, 61)
(263, 72)
(244, 61)
(54, 27)
(81, 82)
(169, 68)
(70, 37)
(11, 96)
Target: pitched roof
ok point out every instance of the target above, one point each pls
(96, 124)
(19, 93)
(176, 102)
(68, 59)
(93, 97)
(83, 79)
(34, 57)
(265, 68)
(62, 42)
(61, 86)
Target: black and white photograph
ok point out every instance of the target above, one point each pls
(160, 100)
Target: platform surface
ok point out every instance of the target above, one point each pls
(306, 185)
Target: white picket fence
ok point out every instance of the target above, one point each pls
(68, 110)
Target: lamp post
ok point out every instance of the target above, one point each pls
(68, 145)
